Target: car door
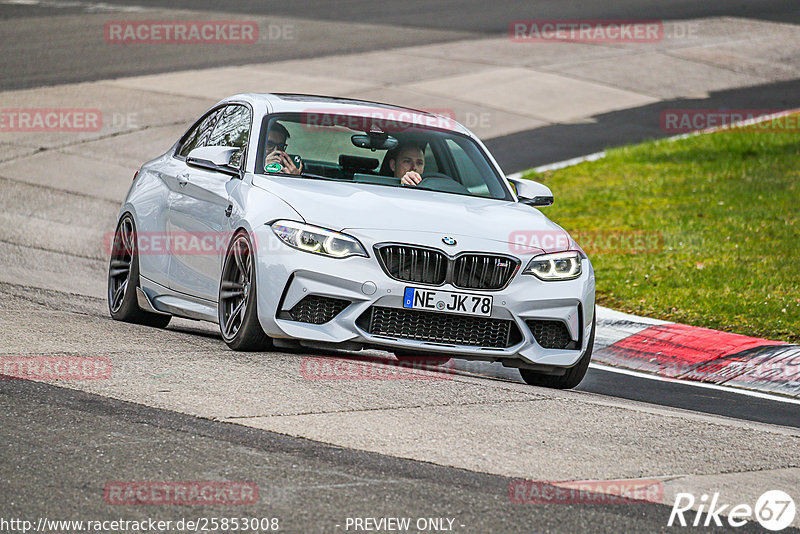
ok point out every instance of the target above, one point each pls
(199, 213)
(153, 224)
(174, 172)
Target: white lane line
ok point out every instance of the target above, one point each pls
(560, 164)
(705, 385)
(570, 162)
(613, 316)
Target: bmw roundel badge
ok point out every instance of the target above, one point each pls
(447, 240)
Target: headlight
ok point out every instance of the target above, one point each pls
(557, 266)
(317, 240)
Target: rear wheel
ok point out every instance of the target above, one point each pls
(237, 308)
(123, 279)
(571, 378)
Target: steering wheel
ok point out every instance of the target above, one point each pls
(442, 182)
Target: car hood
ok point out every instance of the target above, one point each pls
(342, 206)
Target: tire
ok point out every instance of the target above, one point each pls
(573, 375)
(237, 305)
(123, 279)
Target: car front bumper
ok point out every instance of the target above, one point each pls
(286, 276)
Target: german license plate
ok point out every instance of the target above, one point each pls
(447, 301)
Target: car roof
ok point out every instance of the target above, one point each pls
(305, 103)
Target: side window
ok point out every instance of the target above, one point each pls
(198, 136)
(430, 160)
(232, 129)
(470, 174)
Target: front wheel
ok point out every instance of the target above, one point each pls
(571, 378)
(237, 303)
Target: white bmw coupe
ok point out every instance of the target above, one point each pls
(306, 221)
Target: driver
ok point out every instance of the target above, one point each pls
(276, 149)
(407, 162)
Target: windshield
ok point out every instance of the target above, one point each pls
(359, 149)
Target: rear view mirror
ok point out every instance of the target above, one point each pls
(532, 193)
(374, 141)
(214, 158)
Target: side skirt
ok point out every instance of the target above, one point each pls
(156, 298)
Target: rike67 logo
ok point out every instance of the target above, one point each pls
(774, 510)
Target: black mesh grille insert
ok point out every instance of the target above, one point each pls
(429, 266)
(551, 334)
(316, 309)
(414, 264)
(483, 271)
(442, 327)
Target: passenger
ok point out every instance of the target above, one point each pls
(276, 150)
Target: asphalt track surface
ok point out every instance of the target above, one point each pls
(69, 51)
(690, 397)
(58, 445)
(82, 440)
(467, 15)
(559, 142)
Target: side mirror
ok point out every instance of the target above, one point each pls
(214, 158)
(532, 193)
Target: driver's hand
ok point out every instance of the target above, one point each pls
(273, 157)
(411, 178)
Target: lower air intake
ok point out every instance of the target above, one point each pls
(316, 309)
(551, 334)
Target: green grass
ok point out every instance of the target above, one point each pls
(720, 213)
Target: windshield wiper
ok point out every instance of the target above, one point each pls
(301, 175)
(314, 176)
(436, 190)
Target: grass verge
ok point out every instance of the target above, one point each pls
(702, 230)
